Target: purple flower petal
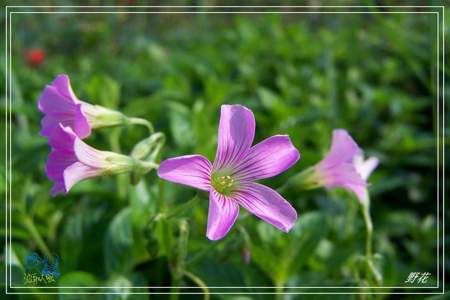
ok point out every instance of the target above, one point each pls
(267, 204)
(61, 156)
(80, 123)
(223, 212)
(359, 190)
(345, 167)
(365, 167)
(53, 102)
(191, 170)
(89, 155)
(268, 158)
(60, 105)
(74, 119)
(236, 133)
(340, 175)
(57, 96)
(58, 188)
(63, 164)
(62, 84)
(50, 122)
(62, 138)
(77, 172)
(343, 148)
(345, 176)
(58, 161)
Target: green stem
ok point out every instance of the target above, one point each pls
(147, 165)
(139, 121)
(37, 238)
(177, 269)
(369, 231)
(121, 179)
(279, 290)
(199, 282)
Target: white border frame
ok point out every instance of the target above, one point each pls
(440, 58)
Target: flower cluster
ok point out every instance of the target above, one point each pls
(230, 180)
(67, 120)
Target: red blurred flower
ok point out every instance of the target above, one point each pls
(34, 57)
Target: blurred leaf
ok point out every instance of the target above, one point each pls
(181, 124)
(103, 90)
(287, 254)
(118, 243)
(76, 279)
(142, 205)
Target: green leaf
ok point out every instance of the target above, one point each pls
(181, 125)
(75, 280)
(118, 243)
(103, 90)
(281, 255)
(142, 206)
(16, 264)
(70, 246)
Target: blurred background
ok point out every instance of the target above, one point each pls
(301, 74)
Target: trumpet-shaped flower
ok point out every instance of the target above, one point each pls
(60, 105)
(71, 160)
(344, 166)
(230, 180)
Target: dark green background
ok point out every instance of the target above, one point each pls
(301, 74)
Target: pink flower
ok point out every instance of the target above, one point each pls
(71, 160)
(230, 179)
(60, 105)
(344, 166)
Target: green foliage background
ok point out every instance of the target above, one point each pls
(302, 75)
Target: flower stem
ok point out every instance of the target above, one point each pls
(199, 282)
(140, 121)
(179, 259)
(121, 179)
(369, 231)
(148, 165)
(279, 290)
(36, 236)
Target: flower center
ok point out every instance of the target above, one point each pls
(223, 184)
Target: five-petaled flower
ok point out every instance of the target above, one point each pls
(230, 179)
(345, 167)
(72, 160)
(60, 105)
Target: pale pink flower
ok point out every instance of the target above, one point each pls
(230, 179)
(344, 166)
